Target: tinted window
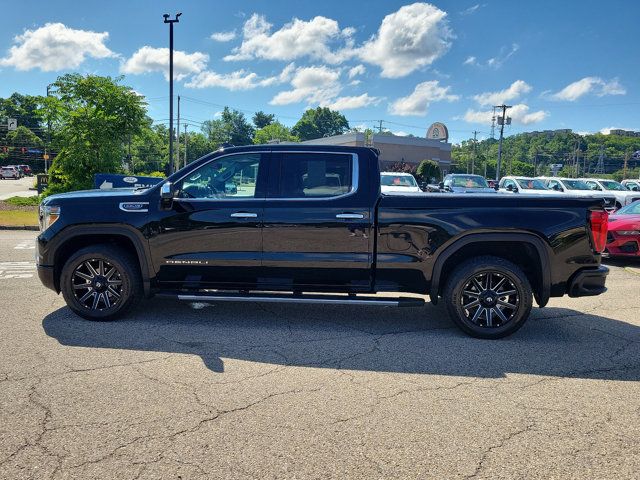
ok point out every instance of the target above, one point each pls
(390, 180)
(531, 184)
(314, 175)
(469, 181)
(232, 176)
(576, 185)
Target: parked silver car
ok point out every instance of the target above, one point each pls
(10, 172)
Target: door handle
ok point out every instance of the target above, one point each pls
(350, 216)
(244, 215)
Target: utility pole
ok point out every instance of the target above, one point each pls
(626, 161)
(185, 144)
(473, 159)
(48, 148)
(501, 123)
(380, 127)
(178, 137)
(171, 22)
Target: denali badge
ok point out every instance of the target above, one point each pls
(134, 206)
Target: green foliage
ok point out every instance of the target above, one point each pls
(531, 154)
(95, 117)
(261, 119)
(24, 201)
(154, 174)
(26, 108)
(231, 128)
(428, 171)
(274, 131)
(318, 123)
(401, 167)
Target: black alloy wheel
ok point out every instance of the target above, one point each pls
(488, 297)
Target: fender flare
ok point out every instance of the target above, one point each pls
(108, 230)
(542, 297)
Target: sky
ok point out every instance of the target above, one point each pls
(570, 64)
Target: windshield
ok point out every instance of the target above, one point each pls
(631, 209)
(576, 185)
(531, 184)
(611, 185)
(398, 181)
(469, 181)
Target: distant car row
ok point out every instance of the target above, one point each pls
(14, 171)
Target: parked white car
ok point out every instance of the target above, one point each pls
(577, 187)
(396, 182)
(533, 186)
(623, 196)
(10, 172)
(630, 184)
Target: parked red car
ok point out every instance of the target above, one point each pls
(623, 237)
(26, 169)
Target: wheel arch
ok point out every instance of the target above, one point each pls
(124, 237)
(503, 245)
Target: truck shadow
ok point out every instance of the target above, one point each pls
(555, 341)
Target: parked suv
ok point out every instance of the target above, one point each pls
(397, 182)
(534, 186)
(10, 172)
(577, 187)
(633, 185)
(26, 169)
(465, 183)
(623, 196)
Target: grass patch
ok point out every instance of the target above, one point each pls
(19, 217)
(33, 201)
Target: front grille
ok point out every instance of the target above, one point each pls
(629, 247)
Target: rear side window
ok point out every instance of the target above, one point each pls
(315, 175)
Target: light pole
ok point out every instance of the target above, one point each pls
(171, 22)
(505, 119)
(48, 147)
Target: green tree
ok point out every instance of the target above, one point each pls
(23, 137)
(261, 119)
(318, 123)
(26, 109)
(274, 131)
(231, 128)
(95, 117)
(428, 171)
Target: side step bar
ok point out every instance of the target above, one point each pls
(280, 298)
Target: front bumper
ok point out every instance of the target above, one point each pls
(623, 245)
(45, 274)
(588, 282)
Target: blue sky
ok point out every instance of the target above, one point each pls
(561, 64)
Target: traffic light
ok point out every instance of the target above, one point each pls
(23, 150)
(5, 149)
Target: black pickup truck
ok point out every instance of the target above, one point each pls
(308, 224)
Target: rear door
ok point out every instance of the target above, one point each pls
(317, 224)
(212, 236)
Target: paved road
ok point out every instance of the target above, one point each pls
(17, 188)
(269, 391)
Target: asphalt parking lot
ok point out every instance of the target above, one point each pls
(269, 391)
(17, 188)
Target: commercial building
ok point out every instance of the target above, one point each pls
(395, 149)
(623, 133)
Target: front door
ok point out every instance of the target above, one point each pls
(212, 237)
(317, 225)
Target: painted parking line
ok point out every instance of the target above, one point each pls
(10, 270)
(25, 245)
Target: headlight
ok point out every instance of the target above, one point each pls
(628, 232)
(48, 215)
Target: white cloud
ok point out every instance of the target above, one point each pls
(494, 62)
(471, 10)
(417, 103)
(55, 47)
(471, 60)
(355, 82)
(582, 87)
(515, 90)
(223, 36)
(411, 38)
(349, 103)
(357, 70)
(238, 80)
(400, 133)
(315, 85)
(519, 114)
(296, 39)
(148, 59)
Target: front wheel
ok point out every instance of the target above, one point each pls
(488, 297)
(101, 282)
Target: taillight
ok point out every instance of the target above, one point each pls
(599, 222)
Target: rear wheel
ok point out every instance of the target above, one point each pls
(101, 282)
(488, 297)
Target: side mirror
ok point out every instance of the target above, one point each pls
(510, 188)
(166, 195)
(441, 185)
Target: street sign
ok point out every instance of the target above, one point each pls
(12, 124)
(557, 165)
(43, 182)
(46, 156)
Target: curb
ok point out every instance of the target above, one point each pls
(19, 227)
(633, 270)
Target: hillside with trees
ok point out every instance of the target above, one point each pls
(533, 153)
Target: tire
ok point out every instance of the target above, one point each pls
(95, 292)
(489, 314)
